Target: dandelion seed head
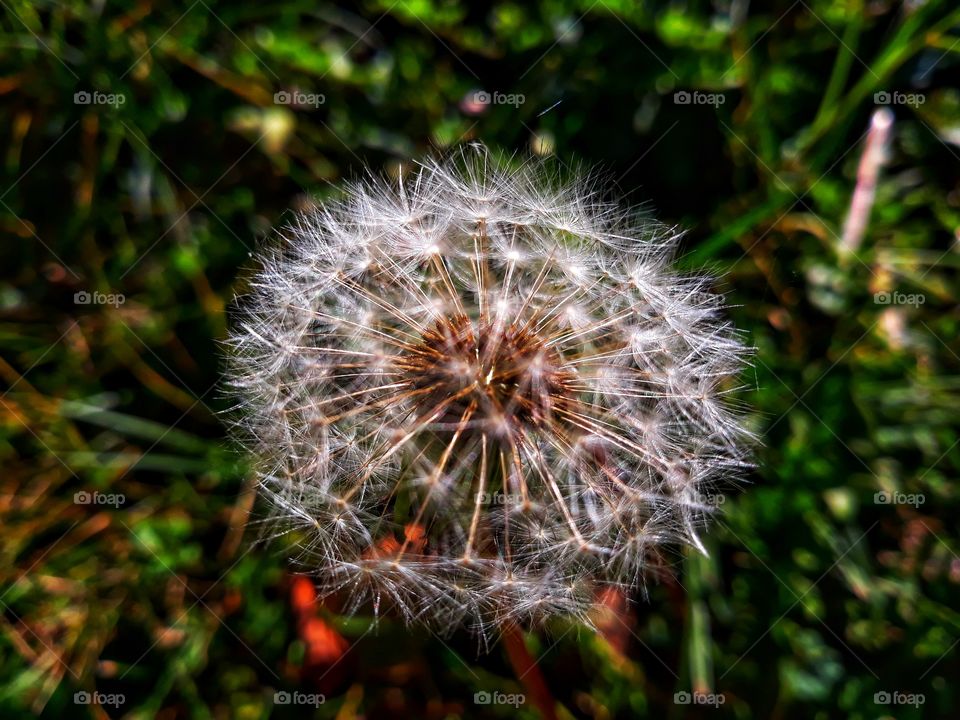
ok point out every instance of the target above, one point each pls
(480, 393)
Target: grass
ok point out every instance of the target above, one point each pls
(815, 596)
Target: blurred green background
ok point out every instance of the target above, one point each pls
(145, 152)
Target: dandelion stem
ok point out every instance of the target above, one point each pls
(527, 670)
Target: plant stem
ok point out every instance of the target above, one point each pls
(527, 670)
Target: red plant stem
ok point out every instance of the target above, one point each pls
(527, 670)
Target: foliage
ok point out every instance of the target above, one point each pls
(814, 598)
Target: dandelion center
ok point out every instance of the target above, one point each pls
(507, 376)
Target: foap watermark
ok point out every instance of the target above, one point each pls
(482, 97)
(684, 97)
(98, 298)
(709, 499)
(496, 697)
(885, 97)
(887, 297)
(298, 98)
(282, 697)
(96, 497)
(698, 698)
(886, 497)
(82, 697)
(898, 698)
(95, 97)
(499, 498)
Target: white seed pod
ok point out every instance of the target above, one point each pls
(480, 393)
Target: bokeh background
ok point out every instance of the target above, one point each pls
(145, 152)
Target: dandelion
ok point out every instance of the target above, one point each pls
(479, 394)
